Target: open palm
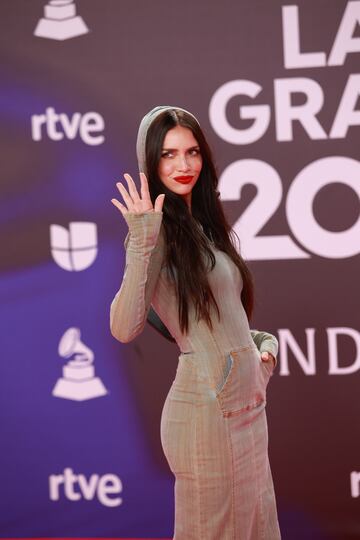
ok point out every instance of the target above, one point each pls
(134, 202)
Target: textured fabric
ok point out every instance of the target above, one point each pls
(213, 425)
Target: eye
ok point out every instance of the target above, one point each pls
(194, 151)
(167, 154)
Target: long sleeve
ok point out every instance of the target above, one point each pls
(144, 255)
(266, 342)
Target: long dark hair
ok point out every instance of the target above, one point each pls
(185, 242)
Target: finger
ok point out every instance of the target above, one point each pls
(272, 359)
(145, 194)
(265, 356)
(128, 200)
(159, 202)
(119, 206)
(132, 188)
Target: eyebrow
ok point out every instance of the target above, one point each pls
(196, 147)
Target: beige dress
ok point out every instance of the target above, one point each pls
(213, 425)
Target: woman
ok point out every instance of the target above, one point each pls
(181, 259)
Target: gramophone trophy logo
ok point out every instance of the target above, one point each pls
(78, 381)
(60, 21)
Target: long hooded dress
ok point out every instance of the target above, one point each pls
(213, 425)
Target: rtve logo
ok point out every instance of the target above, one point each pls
(85, 126)
(74, 249)
(77, 487)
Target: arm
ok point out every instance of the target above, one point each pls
(266, 342)
(144, 255)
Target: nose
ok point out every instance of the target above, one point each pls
(182, 163)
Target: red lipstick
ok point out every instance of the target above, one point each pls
(183, 179)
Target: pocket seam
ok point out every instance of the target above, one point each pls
(219, 392)
(248, 407)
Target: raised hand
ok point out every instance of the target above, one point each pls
(135, 203)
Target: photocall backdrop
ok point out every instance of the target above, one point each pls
(276, 88)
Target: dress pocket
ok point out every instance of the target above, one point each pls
(244, 387)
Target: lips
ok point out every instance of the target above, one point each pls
(183, 179)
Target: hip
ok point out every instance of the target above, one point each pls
(234, 381)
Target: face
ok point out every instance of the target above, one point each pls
(180, 163)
